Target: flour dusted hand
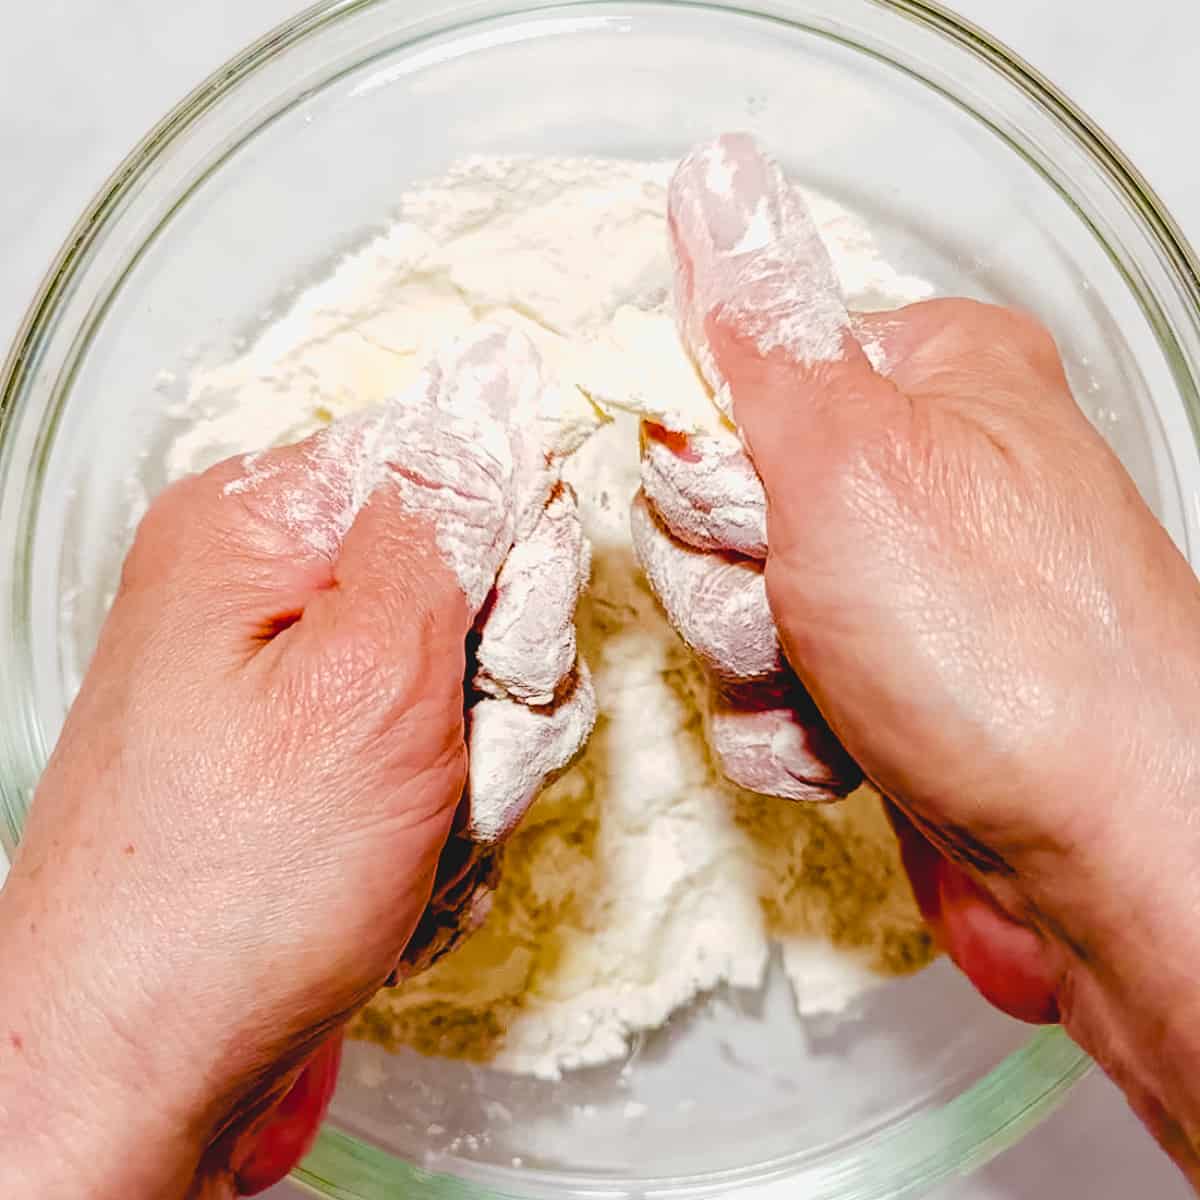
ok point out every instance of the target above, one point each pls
(277, 733)
(475, 446)
(958, 568)
(745, 244)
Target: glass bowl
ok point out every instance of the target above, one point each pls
(974, 173)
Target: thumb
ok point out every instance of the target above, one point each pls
(761, 311)
(1007, 961)
(391, 588)
(383, 648)
(370, 675)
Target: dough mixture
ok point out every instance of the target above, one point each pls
(640, 879)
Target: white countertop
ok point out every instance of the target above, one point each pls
(81, 81)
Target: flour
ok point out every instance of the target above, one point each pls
(638, 363)
(641, 878)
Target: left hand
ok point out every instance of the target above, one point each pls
(243, 821)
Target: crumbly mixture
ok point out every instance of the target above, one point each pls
(640, 879)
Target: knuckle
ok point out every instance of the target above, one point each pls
(163, 534)
(200, 523)
(1030, 336)
(973, 329)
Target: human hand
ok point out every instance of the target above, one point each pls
(982, 608)
(244, 819)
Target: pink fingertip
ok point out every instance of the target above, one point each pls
(747, 252)
(770, 737)
(729, 197)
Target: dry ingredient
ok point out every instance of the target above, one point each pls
(640, 879)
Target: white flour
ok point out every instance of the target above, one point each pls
(640, 879)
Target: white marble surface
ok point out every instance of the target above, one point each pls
(80, 81)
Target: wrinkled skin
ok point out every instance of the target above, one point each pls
(244, 820)
(992, 623)
(236, 835)
(243, 829)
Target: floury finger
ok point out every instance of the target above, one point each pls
(527, 645)
(718, 603)
(748, 251)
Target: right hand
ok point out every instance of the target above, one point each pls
(987, 615)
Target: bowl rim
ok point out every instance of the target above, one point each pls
(964, 33)
(340, 1162)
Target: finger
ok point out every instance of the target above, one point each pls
(514, 750)
(760, 307)
(495, 407)
(467, 876)
(748, 252)
(705, 487)
(1007, 962)
(454, 451)
(527, 645)
(291, 1127)
(375, 667)
(769, 738)
(717, 603)
(889, 339)
(412, 500)
(394, 604)
(705, 490)
(434, 493)
(244, 547)
(249, 542)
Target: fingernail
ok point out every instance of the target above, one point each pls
(715, 195)
(749, 253)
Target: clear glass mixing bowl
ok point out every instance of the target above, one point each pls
(974, 173)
